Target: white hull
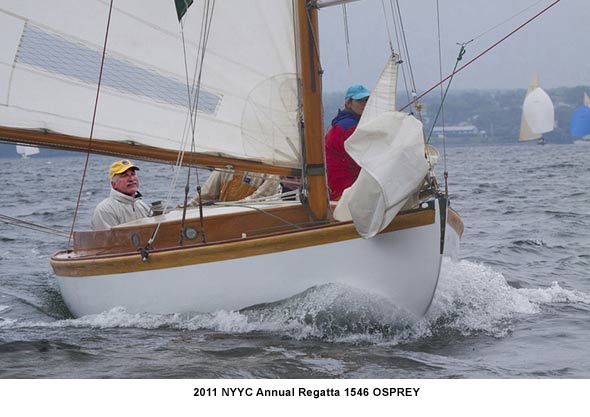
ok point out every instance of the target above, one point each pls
(26, 151)
(402, 265)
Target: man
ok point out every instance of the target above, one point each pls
(341, 169)
(124, 203)
(230, 186)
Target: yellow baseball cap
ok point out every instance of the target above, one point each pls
(121, 166)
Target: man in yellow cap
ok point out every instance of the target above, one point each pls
(124, 203)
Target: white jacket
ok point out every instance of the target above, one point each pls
(117, 209)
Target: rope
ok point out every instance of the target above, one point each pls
(104, 52)
(203, 40)
(13, 221)
(193, 93)
(484, 52)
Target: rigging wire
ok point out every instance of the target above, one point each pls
(347, 42)
(504, 22)
(459, 58)
(203, 40)
(440, 74)
(402, 47)
(104, 51)
(457, 70)
(389, 37)
(406, 50)
(13, 221)
(193, 93)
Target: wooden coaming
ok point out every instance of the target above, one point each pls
(217, 228)
(128, 259)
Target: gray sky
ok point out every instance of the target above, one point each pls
(556, 45)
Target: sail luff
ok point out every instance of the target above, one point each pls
(314, 161)
(103, 147)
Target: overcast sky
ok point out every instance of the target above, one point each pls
(556, 45)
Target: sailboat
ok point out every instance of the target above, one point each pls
(580, 122)
(25, 151)
(538, 115)
(255, 104)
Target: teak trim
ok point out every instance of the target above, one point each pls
(221, 251)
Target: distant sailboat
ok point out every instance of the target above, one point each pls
(538, 115)
(580, 122)
(26, 151)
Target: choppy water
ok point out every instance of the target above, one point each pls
(514, 305)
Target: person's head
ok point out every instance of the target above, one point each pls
(356, 98)
(124, 178)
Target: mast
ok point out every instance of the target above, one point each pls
(314, 163)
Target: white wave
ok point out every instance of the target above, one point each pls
(474, 297)
(556, 294)
(471, 298)
(328, 366)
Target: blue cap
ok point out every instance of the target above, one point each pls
(357, 92)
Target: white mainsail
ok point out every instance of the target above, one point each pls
(49, 63)
(538, 114)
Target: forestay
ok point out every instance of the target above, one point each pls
(389, 147)
(248, 104)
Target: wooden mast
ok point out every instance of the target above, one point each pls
(314, 164)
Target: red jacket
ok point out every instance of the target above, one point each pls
(341, 169)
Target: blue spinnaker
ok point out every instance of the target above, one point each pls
(580, 123)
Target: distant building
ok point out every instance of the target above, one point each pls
(462, 131)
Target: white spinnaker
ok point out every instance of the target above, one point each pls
(538, 111)
(50, 55)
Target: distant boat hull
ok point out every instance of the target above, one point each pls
(26, 151)
(403, 265)
(582, 142)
